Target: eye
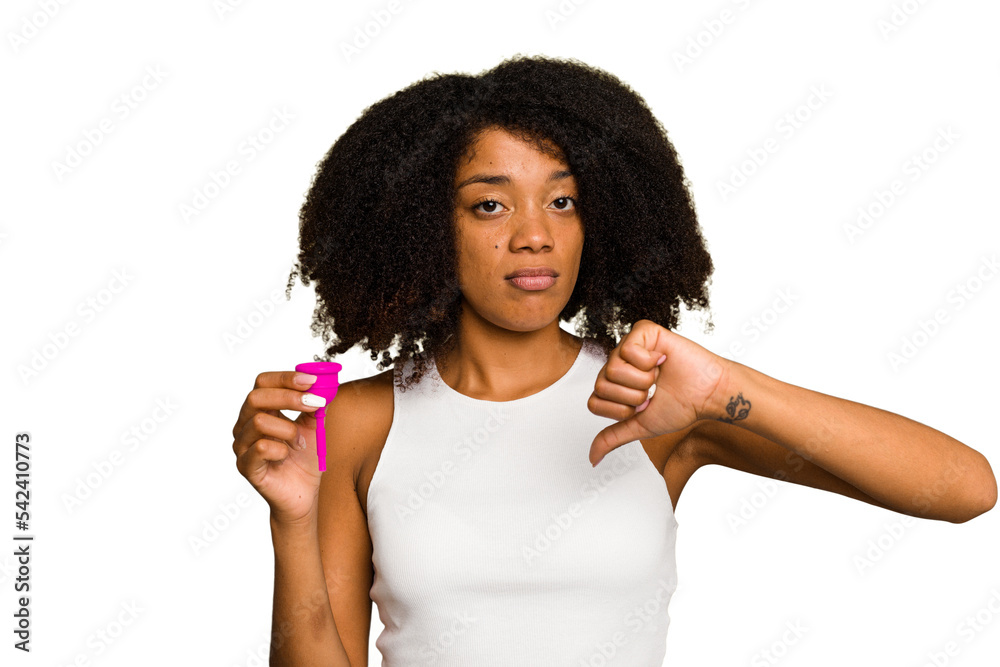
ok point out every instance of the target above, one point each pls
(491, 205)
(565, 203)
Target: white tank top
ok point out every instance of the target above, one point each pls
(496, 543)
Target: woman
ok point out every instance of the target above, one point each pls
(506, 492)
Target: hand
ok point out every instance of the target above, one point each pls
(275, 454)
(686, 377)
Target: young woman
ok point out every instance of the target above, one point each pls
(506, 492)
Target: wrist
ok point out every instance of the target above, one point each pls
(729, 402)
(283, 524)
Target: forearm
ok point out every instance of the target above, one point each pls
(303, 630)
(910, 467)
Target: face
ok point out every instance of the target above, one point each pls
(515, 208)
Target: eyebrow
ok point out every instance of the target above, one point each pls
(503, 179)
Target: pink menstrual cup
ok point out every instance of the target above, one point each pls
(326, 386)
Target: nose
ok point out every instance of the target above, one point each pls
(531, 229)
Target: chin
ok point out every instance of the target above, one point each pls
(528, 325)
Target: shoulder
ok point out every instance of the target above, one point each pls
(368, 413)
(362, 411)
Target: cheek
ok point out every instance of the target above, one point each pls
(495, 241)
(480, 260)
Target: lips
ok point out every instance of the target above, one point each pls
(532, 271)
(532, 283)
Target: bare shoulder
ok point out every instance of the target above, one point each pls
(359, 411)
(371, 409)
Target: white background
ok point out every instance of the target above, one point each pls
(191, 283)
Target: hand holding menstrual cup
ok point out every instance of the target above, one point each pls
(326, 386)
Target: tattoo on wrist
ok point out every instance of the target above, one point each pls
(737, 408)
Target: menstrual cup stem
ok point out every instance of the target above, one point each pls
(321, 439)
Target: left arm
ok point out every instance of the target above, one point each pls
(832, 443)
(906, 466)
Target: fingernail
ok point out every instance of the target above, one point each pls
(302, 441)
(643, 406)
(660, 361)
(304, 379)
(313, 401)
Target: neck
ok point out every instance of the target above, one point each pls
(495, 364)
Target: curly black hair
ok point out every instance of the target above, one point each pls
(376, 230)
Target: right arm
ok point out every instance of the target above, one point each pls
(303, 630)
(311, 584)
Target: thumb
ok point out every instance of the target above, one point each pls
(614, 436)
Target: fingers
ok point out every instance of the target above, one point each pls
(276, 390)
(262, 436)
(254, 461)
(271, 400)
(263, 425)
(625, 384)
(278, 399)
(265, 438)
(622, 380)
(632, 363)
(616, 410)
(286, 379)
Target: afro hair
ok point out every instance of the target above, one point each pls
(376, 230)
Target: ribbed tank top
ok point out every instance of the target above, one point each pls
(496, 543)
